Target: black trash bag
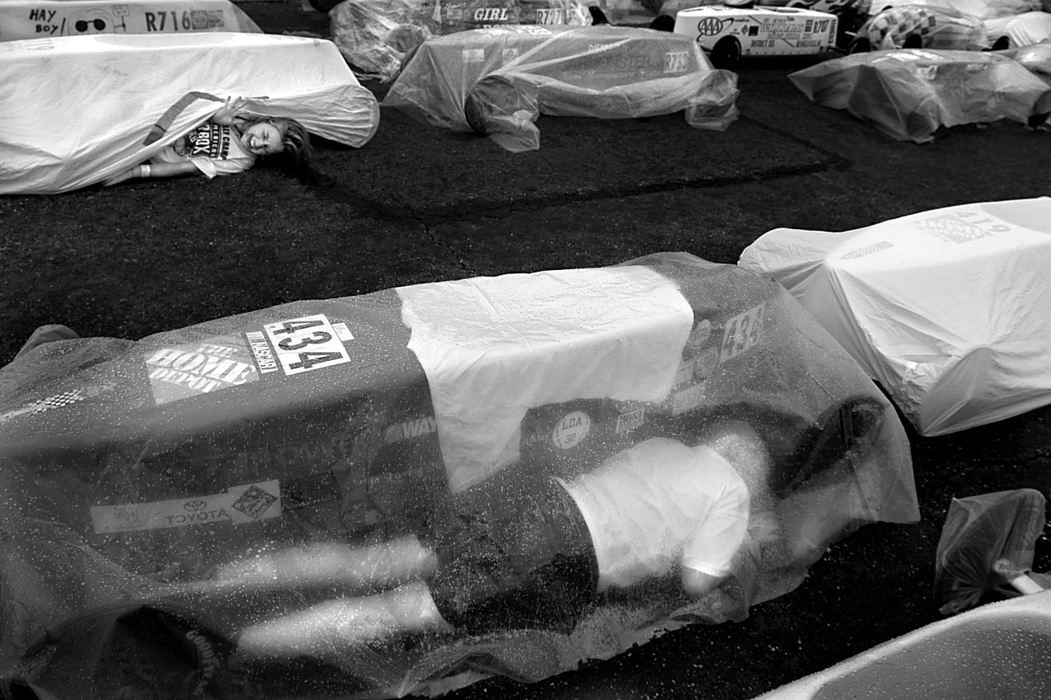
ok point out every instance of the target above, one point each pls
(986, 541)
(124, 651)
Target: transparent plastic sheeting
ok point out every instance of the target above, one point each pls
(909, 94)
(946, 309)
(986, 541)
(937, 27)
(498, 81)
(77, 110)
(240, 483)
(36, 19)
(1036, 58)
(375, 36)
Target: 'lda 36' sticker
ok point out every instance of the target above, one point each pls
(246, 503)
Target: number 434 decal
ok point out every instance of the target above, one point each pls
(310, 342)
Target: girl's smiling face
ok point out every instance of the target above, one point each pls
(263, 138)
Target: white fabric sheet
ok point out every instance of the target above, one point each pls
(77, 110)
(494, 347)
(947, 309)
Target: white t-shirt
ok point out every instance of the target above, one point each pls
(660, 504)
(215, 149)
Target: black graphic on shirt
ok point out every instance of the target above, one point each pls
(208, 140)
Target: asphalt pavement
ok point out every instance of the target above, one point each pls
(420, 204)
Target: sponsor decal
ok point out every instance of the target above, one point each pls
(192, 369)
(207, 660)
(626, 422)
(59, 400)
(571, 430)
(962, 227)
(238, 505)
(409, 429)
(710, 26)
(742, 332)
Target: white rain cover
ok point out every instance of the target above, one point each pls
(497, 81)
(494, 347)
(375, 36)
(947, 309)
(910, 93)
(35, 19)
(77, 110)
(173, 469)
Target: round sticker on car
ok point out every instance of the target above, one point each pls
(571, 430)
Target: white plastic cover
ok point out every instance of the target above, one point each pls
(947, 309)
(468, 337)
(34, 19)
(77, 110)
(498, 81)
(375, 36)
(169, 471)
(910, 93)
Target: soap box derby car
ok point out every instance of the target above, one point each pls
(729, 33)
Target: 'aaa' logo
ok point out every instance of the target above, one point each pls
(710, 26)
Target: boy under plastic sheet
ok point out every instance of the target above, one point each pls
(247, 481)
(375, 36)
(35, 19)
(78, 110)
(910, 93)
(498, 81)
(944, 308)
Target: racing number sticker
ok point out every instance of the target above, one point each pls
(307, 343)
(742, 332)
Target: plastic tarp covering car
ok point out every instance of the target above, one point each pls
(937, 28)
(498, 81)
(152, 489)
(911, 93)
(35, 19)
(1035, 58)
(1020, 30)
(945, 308)
(77, 110)
(376, 35)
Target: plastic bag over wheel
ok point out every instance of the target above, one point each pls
(256, 483)
(946, 309)
(498, 81)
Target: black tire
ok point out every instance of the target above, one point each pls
(663, 23)
(726, 53)
(860, 45)
(912, 41)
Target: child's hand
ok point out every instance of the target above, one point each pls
(229, 111)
